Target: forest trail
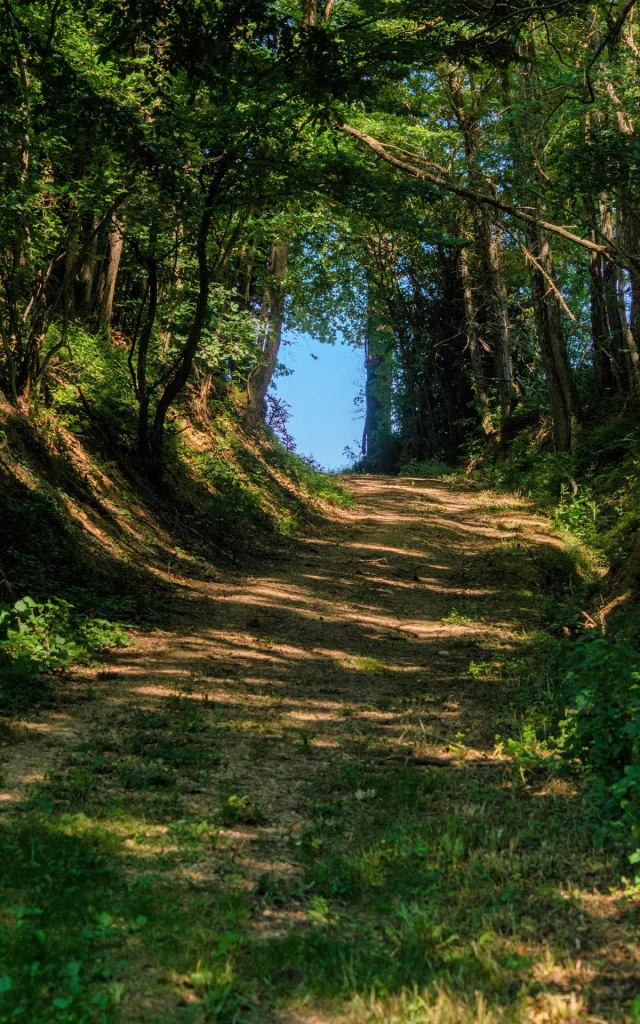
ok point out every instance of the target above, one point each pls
(302, 769)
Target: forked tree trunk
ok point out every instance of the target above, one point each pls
(312, 16)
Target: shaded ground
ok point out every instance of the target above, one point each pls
(290, 806)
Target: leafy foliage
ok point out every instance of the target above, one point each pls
(37, 638)
(602, 688)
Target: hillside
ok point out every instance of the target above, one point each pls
(81, 526)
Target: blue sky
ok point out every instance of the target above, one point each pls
(321, 393)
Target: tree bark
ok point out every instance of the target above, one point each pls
(467, 105)
(495, 301)
(274, 301)
(185, 362)
(561, 388)
(473, 344)
(625, 235)
(563, 396)
(143, 391)
(309, 13)
(86, 273)
(110, 275)
(599, 328)
(377, 416)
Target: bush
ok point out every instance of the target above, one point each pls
(578, 515)
(38, 637)
(425, 467)
(602, 687)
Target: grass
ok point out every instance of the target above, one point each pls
(457, 618)
(368, 665)
(36, 639)
(411, 891)
(148, 878)
(414, 896)
(433, 467)
(225, 494)
(592, 494)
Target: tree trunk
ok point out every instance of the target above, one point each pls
(274, 300)
(309, 13)
(495, 302)
(467, 107)
(473, 343)
(635, 310)
(529, 144)
(86, 273)
(110, 274)
(377, 417)
(563, 396)
(612, 309)
(185, 363)
(142, 384)
(625, 237)
(599, 330)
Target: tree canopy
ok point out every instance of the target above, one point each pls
(452, 188)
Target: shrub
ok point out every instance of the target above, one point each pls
(425, 467)
(602, 729)
(39, 637)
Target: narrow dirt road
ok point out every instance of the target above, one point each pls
(304, 773)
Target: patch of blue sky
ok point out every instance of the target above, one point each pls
(321, 390)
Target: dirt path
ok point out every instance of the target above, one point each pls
(303, 773)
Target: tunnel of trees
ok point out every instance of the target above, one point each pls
(453, 188)
(276, 742)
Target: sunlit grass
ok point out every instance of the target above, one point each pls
(414, 891)
(249, 853)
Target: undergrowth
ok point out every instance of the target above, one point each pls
(39, 638)
(594, 492)
(576, 692)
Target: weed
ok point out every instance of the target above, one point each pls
(456, 618)
(240, 810)
(602, 688)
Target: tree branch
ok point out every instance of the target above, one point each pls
(478, 197)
